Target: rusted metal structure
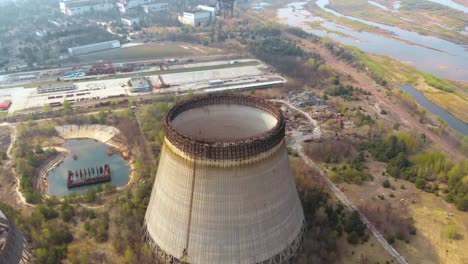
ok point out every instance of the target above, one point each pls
(226, 8)
(89, 176)
(224, 191)
(13, 247)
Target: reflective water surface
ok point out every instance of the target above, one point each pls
(89, 154)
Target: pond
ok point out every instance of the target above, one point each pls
(89, 154)
(450, 119)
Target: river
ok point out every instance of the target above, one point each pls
(430, 54)
(451, 4)
(90, 154)
(450, 119)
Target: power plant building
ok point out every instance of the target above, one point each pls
(56, 88)
(195, 18)
(140, 84)
(13, 246)
(212, 9)
(80, 7)
(224, 191)
(147, 5)
(95, 47)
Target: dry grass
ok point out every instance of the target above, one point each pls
(371, 252)
(455, 102)
(430, 215)
(141, 52)
(148, 51)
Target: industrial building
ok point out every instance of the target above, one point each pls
(212, 9)
(5, 105)
(139, 85)
(13, 247)
(150, 5)
(156, 7)
(224, 191)
(56, 88)
(195, 18)
(79, 7)
(79, 50)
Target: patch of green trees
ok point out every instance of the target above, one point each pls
(29, 156)
(431, 171)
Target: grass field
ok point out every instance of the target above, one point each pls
(148, 51)
(432, 216)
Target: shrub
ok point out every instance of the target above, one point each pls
(386, 183)
(420, 183)
(353, 238)
(451, 231)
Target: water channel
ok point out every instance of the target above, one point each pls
(450, 119)
(90, 154)
(428, 53)
(451, 4)
(450, 62)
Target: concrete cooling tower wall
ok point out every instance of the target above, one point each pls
(13, 247)
(224, 191)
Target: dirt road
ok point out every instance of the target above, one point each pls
(346, 202)
(365, 82)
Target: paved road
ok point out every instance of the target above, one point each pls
(339, 194)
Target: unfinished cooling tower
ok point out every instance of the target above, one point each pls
(224, 191)
(13, 247)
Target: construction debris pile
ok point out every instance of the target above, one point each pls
(303, 98)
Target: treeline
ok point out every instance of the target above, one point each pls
(347, 92)
(271, 45)
(289, 58)
(327, 223)
(431, 171)
(299, 32)
(358, 59)
(131, 207)
(29, 156)
(43, 228)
